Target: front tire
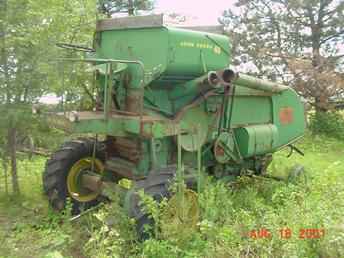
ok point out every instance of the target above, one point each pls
(61, 172)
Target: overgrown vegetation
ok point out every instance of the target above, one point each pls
(229, 213)
(330, 124)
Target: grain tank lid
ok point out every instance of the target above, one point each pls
(130, 22)
(149, 21)
(215, 29)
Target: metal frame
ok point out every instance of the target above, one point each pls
(108, 75)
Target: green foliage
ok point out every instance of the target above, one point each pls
(330, 124)
(54, 254)
(28, 51)
(20, 117)
(29, 31)
(111, 232)
(110, 7)
(154, 209)
(30, 227)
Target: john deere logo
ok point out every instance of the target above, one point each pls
(217, 50)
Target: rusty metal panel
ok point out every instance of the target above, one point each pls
(121, 167)
(131, 22)
(218, 29)
(130, 149)
(286, 115)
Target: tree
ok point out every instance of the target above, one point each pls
(109, 7)
(297, 42)
(29, 31)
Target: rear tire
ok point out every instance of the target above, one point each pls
(57, 169)
(156, 185)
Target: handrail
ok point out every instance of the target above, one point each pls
(107, 80)
(105, 60)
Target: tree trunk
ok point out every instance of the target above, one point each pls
(130, 7)
(320, 91)
(321, 104)
(4, 57)
(12, 135)
(5, 167)
(321, 96)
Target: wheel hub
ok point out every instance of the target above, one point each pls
(77, 186)
(181, 214)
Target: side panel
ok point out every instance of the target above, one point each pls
(146, 45)
(176, 53)
(257, 139)
(251, 110)
(288, 116)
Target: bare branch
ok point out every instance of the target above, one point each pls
(340, 33)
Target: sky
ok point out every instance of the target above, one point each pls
(203, 12)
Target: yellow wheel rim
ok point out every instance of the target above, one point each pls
(75, 189)
(181, 214)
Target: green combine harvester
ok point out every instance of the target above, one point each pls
(169, 110)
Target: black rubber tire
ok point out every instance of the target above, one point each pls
(57, 168)
(157, 185)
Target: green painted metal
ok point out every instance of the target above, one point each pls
(158, 76)
(187, 49)
(257, 139)
(258, 84)
(252, 110)
(194, 127)
(178, 53)
(288, 132)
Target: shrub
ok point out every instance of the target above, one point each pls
(327, 123)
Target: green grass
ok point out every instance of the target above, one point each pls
(229, 212)
(28, 227)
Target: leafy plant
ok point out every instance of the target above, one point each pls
(111, 233)
(330, 124)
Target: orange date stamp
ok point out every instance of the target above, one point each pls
(286, 233)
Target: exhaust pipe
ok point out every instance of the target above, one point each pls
(227, 75)
(213, 78)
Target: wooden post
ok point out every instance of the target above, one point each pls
(12, 136)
